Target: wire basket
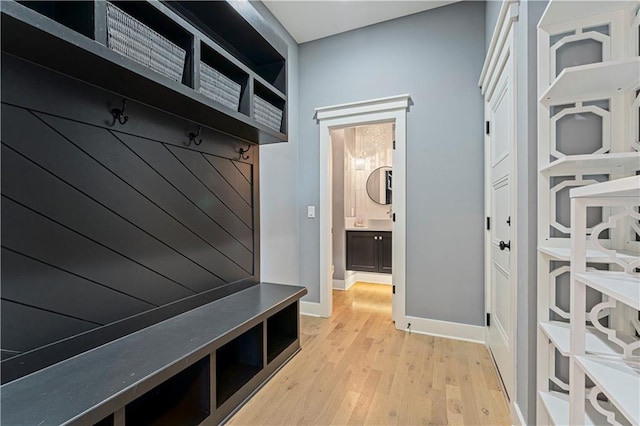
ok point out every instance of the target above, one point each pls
(133, 39)
(267, 114)
(219, 87)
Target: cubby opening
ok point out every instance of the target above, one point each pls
(76, 15)
(165, 27)
(107, 421)
(237, 362)
(184, 399)
(222, 23)
(282, 331)
(221, 64)
(274, 99)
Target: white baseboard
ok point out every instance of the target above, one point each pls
(339, 285)
(370, 277)
(516, 415)
(451, 330)
(311, 309)
(350, 278)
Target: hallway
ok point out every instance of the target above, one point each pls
(356, 368)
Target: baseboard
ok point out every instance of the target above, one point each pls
(451, 330)
(350, 279)
(369, 277)
(516, 415)
(311, 309)
(339, 285)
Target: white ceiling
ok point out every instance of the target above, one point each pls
(308, 20)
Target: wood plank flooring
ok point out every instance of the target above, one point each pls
(356, 368)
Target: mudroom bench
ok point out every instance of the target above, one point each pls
(195, 368)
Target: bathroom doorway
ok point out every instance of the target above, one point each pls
(392, 113)
(362, 209)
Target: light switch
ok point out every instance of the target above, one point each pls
(311, 211)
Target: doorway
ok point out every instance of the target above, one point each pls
(362, 209)
(391, 110)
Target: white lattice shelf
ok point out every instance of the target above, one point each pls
(593, 162)
(593, 81)
(619, 285)
(595, 256)
(596, 342)
(619, 382)
(558, 12)
(557, 406)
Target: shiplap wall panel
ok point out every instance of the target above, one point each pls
(213, 180)
(108, 229)
(26, 327)
(26, 280)
(166, 164)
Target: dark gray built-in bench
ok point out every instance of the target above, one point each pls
(195, 368)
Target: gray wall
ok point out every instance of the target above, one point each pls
(278, 183)
(428, 56)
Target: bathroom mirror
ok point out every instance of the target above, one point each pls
(379, 185)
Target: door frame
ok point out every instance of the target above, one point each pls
(383, 110)
(501, 48)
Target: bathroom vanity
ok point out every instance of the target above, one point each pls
(369, 251)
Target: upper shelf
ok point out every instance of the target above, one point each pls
(557, 406)
(624, 187)
(559, 11)
(619, 382)
(50, 40)
(595, 256)
(593, 81)
(618, 285)
(620, 161)
(596, 342)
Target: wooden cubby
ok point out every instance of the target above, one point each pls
(78, 16)
(282, 331)
(222, 64)
(231, 36)
(183, 399)
(278, 100)
(237, 362)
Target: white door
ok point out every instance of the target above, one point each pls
(501, 287)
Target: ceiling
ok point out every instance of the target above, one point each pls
(308, 20)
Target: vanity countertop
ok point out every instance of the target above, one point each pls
(378, 228)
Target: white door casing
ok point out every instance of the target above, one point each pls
(498, 84)
(385, 110)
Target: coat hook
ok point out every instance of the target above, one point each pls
(242, 153)
(193, 136)
(118, 114)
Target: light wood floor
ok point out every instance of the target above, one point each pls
(356, 368)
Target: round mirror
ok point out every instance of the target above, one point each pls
(379, 185)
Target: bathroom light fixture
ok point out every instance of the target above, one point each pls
(359, 163)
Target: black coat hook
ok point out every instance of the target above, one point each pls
(242, 153)
(193, 136)
(118, 114)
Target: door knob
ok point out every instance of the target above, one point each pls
(504, 245)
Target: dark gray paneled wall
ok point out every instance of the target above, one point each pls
(436, 57)
(104, 225)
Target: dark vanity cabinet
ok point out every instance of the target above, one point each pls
(369, 251)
